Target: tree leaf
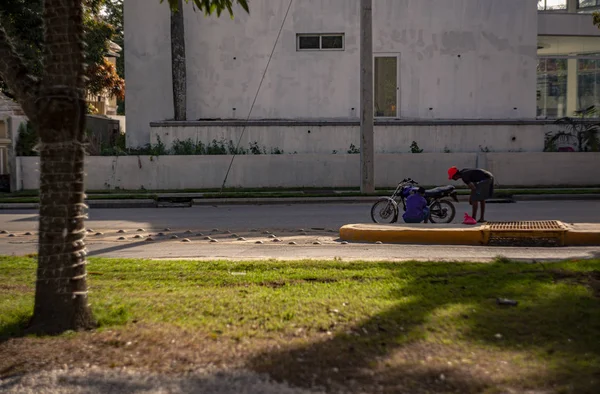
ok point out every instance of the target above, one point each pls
(210, 7)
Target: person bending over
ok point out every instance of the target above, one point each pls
(481, 183)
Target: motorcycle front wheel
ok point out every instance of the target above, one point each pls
(384, 211)
(442, 211)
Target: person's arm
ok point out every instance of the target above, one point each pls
(471, 186)
(468, 182)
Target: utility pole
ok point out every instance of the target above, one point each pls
(367, 151)
(178, 63)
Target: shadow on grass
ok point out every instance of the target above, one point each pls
(15, 328)
(557, 323)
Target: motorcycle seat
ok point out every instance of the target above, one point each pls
(439, 191)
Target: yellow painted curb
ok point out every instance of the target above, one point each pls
(573, 235)
(413, 235)
(582, 238)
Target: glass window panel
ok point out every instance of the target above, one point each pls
(588, 83)
(332, 42)
(309, 42)
(552, 5)
(552, 88)
(386, 86)
(587, 64)
(588, 3)
(541, 66)
(561, 65)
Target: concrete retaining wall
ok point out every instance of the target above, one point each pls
(392, 138)
(312, 170)
(533, 169)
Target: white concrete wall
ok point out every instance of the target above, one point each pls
(28, 175)
(14, 122)
(122, 121)
(465, 59)
(148, 91)
(564, 24)
(460, 59)
(541, 169)
(388, 139)
(309, 170)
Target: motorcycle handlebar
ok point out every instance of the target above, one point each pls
(409, 180)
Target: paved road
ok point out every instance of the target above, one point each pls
(285, 222)
(245, 217)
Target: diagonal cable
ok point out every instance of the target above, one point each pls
(256, 96)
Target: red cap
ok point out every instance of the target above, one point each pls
(451, 172)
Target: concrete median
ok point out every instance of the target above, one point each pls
(486, 234)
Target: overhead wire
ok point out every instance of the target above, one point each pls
(256, 95)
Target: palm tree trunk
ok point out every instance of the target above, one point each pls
(61, 301)
(178, 63)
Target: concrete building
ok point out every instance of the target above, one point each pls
(11, 117)
(105, 104)
(459, 75)
(8, 109)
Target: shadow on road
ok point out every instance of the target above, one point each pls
(124, 246)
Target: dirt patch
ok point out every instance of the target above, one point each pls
(276, 284)
(139, 346)
(434, 278)
(281, 283)
(125, 381)
(7, 287)
(315, 360)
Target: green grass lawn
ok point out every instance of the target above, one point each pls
(424, 325)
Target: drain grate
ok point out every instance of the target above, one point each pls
(522, 241)
(173, 202)
(525, 233)
(541, 225)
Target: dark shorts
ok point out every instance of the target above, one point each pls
(484, 190)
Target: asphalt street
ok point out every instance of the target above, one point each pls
(245, 217)
(313, 228)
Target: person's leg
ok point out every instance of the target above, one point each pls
(474, 205)
(482, 217)
(426, 215)
(484, 188)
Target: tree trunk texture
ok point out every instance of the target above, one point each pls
(61, 299)
(178, 63)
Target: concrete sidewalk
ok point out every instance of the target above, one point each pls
(581, 234)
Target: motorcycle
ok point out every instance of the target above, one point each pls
(441, 210)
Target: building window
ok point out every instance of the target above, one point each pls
(588, 3)
(552, 5)
(320, 42)
(552, 88)
(588, 83)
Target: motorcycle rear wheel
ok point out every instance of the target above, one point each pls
(442, 211)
